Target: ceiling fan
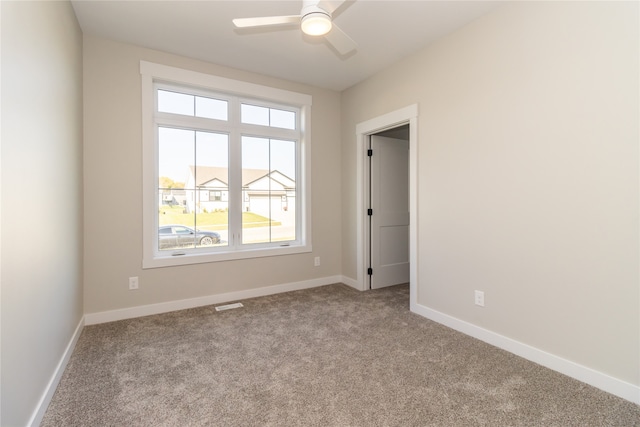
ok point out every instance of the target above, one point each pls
(314, 19)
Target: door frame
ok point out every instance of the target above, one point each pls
(407, 115)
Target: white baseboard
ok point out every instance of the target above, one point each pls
(351, 282)
(165, 307)
(45, 399)
(579, 372)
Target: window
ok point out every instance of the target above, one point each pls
(215, 196)
(226, 169)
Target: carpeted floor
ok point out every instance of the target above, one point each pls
(329, 356)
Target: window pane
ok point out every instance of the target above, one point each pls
(211, 201)
(191, 166)
(176, 103)
(176, 152)
(210, 108)
(254, 115)
(268, 187)
(283, 119)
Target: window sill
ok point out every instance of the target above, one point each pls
(169, 260)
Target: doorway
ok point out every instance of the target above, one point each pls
(388, 208)
(394, 119)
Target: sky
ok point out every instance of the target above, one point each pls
(181, 148)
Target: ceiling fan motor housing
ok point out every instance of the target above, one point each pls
(315, 20)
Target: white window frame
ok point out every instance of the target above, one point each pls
(151, 74)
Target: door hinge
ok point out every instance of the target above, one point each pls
(369, 152)
(369, 212)
(370, 271)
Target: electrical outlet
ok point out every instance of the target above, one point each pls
(316, 261)
(479, 298)
(133, 283)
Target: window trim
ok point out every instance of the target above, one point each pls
(152, 73)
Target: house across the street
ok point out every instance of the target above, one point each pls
(267, 193)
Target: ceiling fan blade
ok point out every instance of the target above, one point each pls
(339, 40)
(266, 20)
(330, 5)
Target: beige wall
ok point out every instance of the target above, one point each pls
(528, 176)
(113, 189)
(41, 198)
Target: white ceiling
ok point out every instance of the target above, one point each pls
(385, 31)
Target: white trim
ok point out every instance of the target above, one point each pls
(406, 115)
(574, 370)
(195, 258)
(47, 395)
(165, 307)
(179, 75)
(388, 121)
(351, 282)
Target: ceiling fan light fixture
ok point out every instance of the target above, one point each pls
(316, 24)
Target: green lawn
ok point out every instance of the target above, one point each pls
(211, 220)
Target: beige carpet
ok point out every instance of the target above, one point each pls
(329, 356)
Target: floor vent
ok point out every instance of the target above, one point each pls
(229, 306)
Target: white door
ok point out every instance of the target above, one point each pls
(389, 257)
